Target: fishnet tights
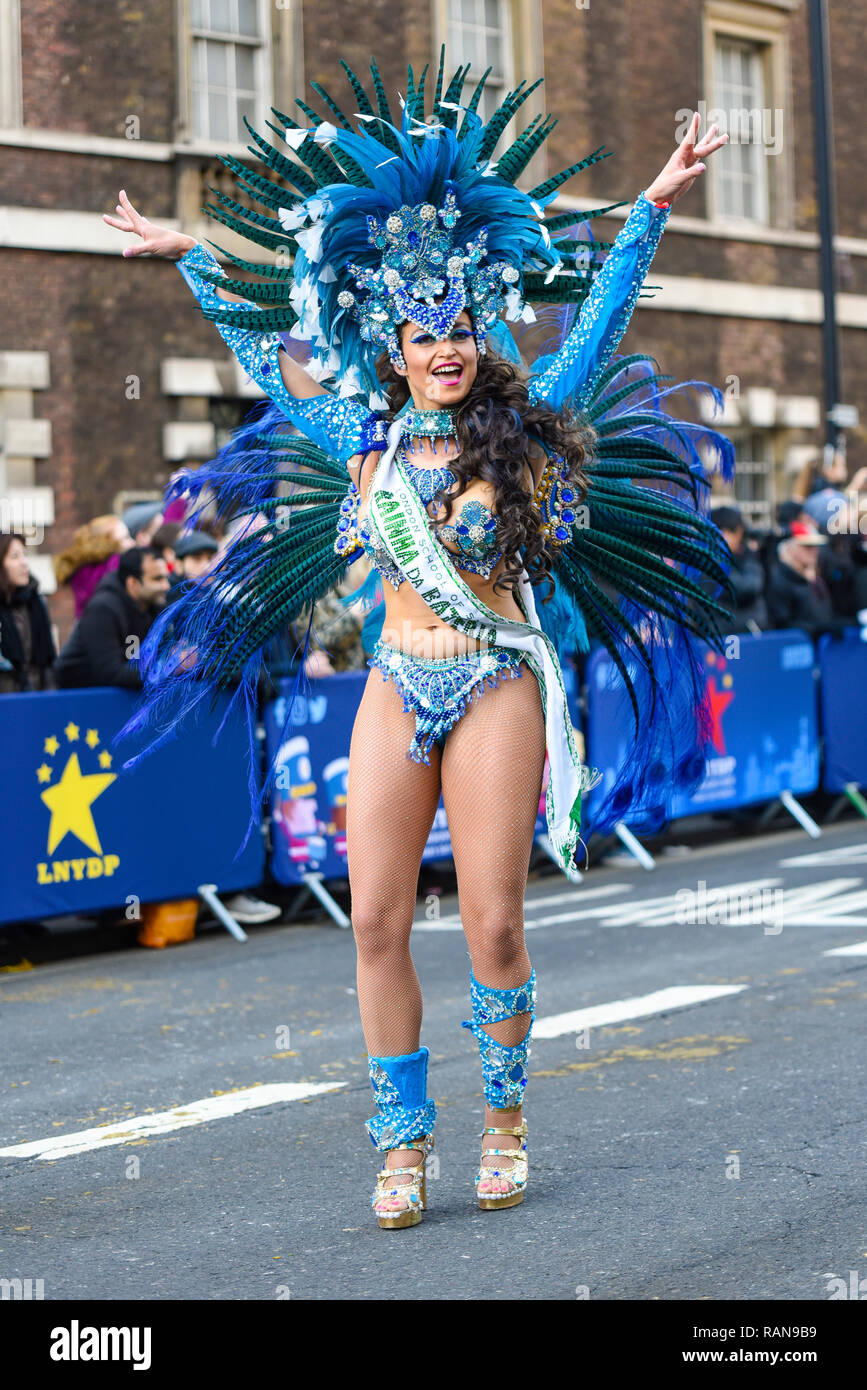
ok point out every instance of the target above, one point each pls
(490, 771)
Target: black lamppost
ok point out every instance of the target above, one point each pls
(820, 63)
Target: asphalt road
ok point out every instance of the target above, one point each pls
(680, 1147)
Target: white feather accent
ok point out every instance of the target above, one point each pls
(311, 241)
(296, 138)
(292, 218)
(350, 383)
(325, 133)
(316, 369)
(327, 273)
(513, 305)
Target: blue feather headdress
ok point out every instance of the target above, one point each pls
(392, 216)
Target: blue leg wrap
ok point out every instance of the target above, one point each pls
(400, 1090)
(504, 1069)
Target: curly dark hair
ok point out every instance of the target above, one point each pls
(495, 422)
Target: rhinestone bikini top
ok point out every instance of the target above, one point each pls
(474, 532)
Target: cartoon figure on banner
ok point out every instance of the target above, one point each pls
(295, 803)
(335, 774)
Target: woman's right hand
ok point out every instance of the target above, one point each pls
(156, 241)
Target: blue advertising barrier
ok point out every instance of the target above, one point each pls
(842, 686)
(81, 834)
(309, 800)
(765, 723)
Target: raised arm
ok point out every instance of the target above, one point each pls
(608, 308)
(606, 311)
(341, 425)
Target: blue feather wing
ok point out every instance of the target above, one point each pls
(233, 627)
(640, 576)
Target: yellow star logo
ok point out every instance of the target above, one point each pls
(51, 745)
(92, 738)
(71, 732)
(105, 758)
(44, 773)
(70, 800)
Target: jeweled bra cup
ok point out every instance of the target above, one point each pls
(474, 532)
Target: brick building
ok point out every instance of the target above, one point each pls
(109, 376)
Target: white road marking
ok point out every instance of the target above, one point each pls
(829, 903)
(196, 1113)
(571, 895)
(844, 854)
(675, 997)
(859, 948)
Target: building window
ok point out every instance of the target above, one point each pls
(227, 68)
(747, 70)
(754, 482)
(742, 166)
(11, 115)
(480, 33)
(227, 414)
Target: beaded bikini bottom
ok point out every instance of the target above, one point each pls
(438, 690)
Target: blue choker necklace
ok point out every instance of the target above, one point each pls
(428, 481)
(428, 424)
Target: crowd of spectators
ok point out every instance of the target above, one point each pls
(810, 572)
(122, 572)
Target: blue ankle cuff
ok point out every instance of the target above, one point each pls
(504, 1069)
(400, 1091)
(491, 1005)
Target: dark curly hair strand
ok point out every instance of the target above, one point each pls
(495, 424)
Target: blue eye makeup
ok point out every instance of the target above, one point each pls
(457, 332)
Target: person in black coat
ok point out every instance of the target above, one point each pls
(798, 595)
(27, 650)
(112, 627)
(749, 611)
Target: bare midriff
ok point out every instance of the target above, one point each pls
(409, 623)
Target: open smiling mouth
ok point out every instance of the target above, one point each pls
(451, 373)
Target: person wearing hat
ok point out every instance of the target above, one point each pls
(798, 594)
(143, 520)
(195, 551)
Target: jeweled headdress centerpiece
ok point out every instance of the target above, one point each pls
(420, 262)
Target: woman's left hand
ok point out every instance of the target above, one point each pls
(685, 165)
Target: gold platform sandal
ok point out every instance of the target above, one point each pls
(405, 1119)
(413, 1192)
(516, 1175)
